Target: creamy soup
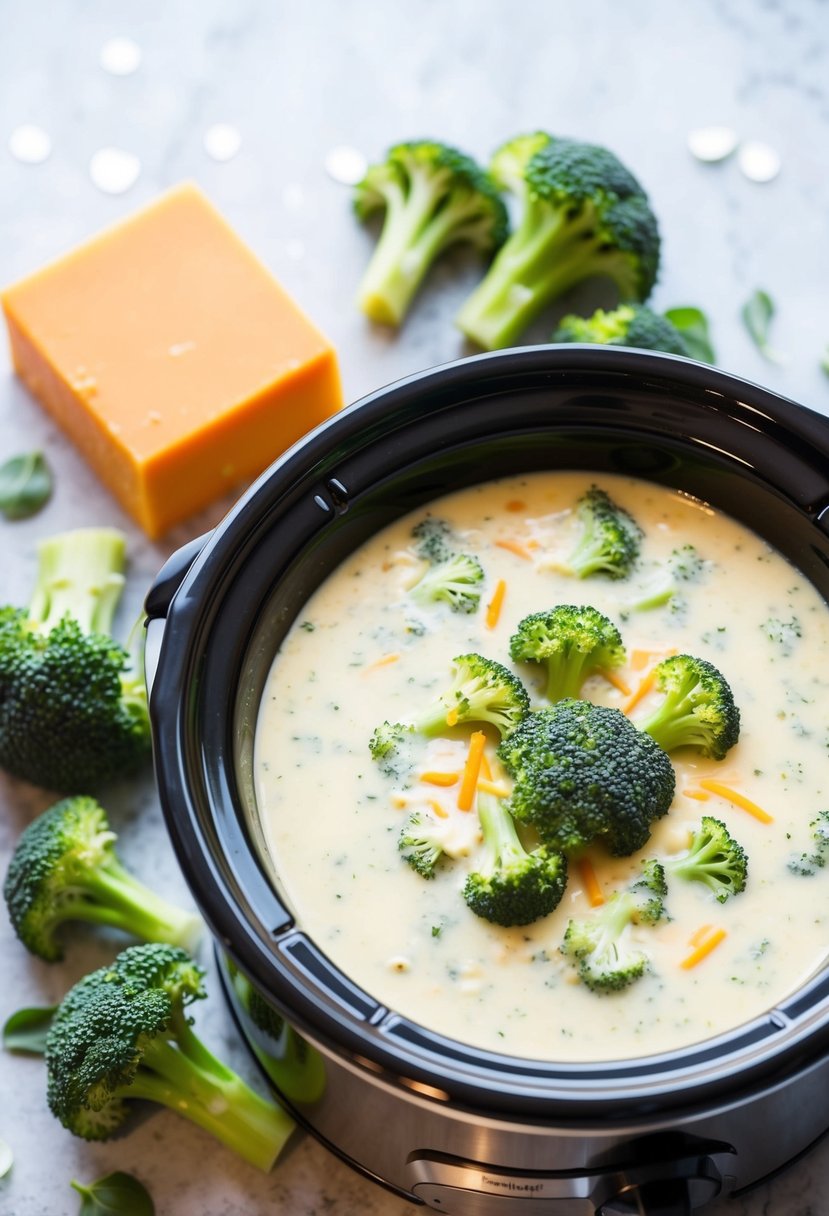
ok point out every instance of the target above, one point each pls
(362, 652)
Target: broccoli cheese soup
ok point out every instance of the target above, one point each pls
(374, 833)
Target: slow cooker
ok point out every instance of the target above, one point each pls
(465, 1131)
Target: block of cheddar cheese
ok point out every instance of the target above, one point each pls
(171, 357)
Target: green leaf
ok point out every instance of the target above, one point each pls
(26, 1030)
(692, 323)
(6, 1158)
(118, 1194)
(757, 314)
(25, 485)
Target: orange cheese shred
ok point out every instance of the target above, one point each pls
(385, 661)
(437, 778)
(616, 680)
(516, 547)
(700, 935)
(439, 810)
(703, 949)
(493, 611)
(491, 787)
(471, 771)
(639, 693)
(452, 717)
(590, 882)
(698, 795)
(740, 800)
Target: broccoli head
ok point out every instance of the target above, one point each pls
(714, 858)
(601, 946)
(65, 868)
(570, 643)
(422, 842)
(683, 566)
(514, 887)
(481, 691)
(628, 325)
(584, 215)
(73, 711)
(390, 746)
(456, 581)
(124, 1033)
(433, 196)
(698, 710)
(609, 540)
(582, 775)
(807, 864)
(433, 540)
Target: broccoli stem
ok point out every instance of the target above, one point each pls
(190, 1080)
(566, 676)
(673, 725)
(80, 573)
(502, 840)
(408, 243)
(125, 903)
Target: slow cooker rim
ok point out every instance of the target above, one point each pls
(555, 362)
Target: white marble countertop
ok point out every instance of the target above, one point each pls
(296, 81)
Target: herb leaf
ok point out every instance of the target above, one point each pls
(692, 323)
(26, 1030)
(25, 485)
(116, 1193)
(757, 314)
(6, 1158)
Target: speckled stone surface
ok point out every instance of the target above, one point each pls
(296, 81)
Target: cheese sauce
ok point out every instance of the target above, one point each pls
(363, 652)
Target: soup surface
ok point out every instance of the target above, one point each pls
(364, 651)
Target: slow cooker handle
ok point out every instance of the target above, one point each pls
(669, 1197)
(160, 597)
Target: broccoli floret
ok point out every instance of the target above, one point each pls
(600, 945)
(583, 215)
(457, 581)
(514, 887)
(433, 540)
(698, 710)
(422, 842)
(581, 774)
(807, 864)
(571, 643)
(124, 1033)
(628, 325)
(389, 747)
(433, 196)
(683, 566)
(481, 691)
(73, 711)
(65, 868)
(609, 541)
(714, 858)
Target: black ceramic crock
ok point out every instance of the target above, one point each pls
(456, 1121)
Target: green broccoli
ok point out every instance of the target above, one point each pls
(609, 541)
(481, 691)
(65, 868)
(628, 325)
(73, 711)
(433, 196)
(570, 643)
(390, 746)
(683, 566)
(698, 710)
(513, 887)
(582, 773)
(714, 858)
(583, 215)
(807, 864)
(433, 540)
(456, 581)
(123, 1033)
(422, 841)
(600, 945)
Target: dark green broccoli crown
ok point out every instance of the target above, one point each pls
(607, 961)
(421, 843)
(53, 854)
(571, 642)
(715, 858)
(456, 582)
(568, 173)
(520, 891)
(698, 711)
(433, 540)
(807, 864)
(102, 1027)
(629, 247)
(581, 775)
(66, 719)
(628, 325)
(482, 691)
(610, 539)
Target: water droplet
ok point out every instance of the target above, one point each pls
(346, 165)
(712, 143)
(30, 144)
(222, 141)
(759, 162)
(120, 56)
(113, 170)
